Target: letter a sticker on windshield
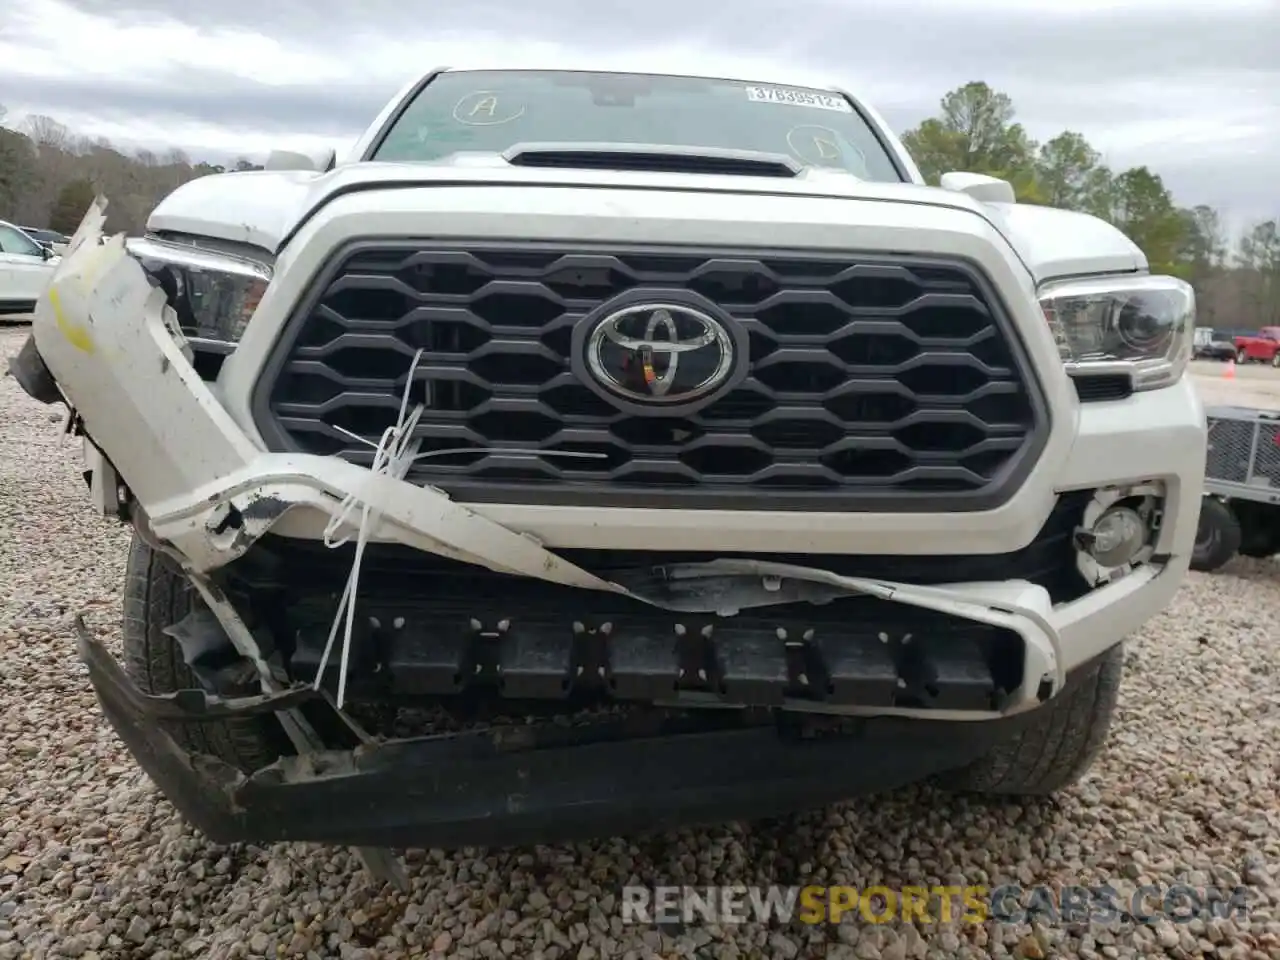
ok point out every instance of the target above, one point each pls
(484, 108)
(799, 98)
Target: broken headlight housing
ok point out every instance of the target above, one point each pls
(213, 291)
(1141, 325)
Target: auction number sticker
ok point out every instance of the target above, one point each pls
(799, 98)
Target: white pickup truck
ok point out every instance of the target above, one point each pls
(666, 441)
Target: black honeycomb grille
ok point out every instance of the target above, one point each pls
(874, 384)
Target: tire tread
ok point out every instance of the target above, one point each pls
(157, 595)
(1230, 535)
(1059, 743)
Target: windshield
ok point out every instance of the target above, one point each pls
(494, 110)
(13, 240)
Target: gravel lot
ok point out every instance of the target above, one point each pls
(1254, 385)
(94, 863)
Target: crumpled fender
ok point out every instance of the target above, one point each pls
(203, 489)
(114, 345)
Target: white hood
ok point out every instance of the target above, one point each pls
(262, 208)
(1062, 243)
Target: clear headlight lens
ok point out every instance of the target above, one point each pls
(214, 293)
(1141, 324)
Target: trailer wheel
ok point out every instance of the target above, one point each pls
(1261, 548)
(1259, 528)
(1217, 535)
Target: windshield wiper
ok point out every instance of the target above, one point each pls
(655, 157)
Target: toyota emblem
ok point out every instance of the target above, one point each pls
(661, 354)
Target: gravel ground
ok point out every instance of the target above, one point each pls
(93, 862)
(1253, 385)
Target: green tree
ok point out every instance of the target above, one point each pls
(1202, 251)
(975, 133)
(1140, 205)
(1069, 173)
(1259, 259)
(17, 167)
(1260, 247)
(69, 209)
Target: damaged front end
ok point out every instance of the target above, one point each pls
(412, 598)
(522, 783)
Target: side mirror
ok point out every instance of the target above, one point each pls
(980, 186)
(322, 162)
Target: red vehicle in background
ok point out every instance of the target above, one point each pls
(1263, 347)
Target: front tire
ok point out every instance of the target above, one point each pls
(157, 595)
(1275, 360)
(1242, 356)
(1059, 743)
(1218, 535)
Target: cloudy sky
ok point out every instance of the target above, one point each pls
(1190, 87)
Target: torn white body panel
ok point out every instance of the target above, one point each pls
(104, 329)
(207, 490)
(855, 454)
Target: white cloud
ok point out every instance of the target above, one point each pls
(1193, 98)
(55, 39)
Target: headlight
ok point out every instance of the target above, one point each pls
(214, 293)
(1143, 325)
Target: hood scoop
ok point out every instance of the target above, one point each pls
(655, 158)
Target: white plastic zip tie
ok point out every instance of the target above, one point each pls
(393, 455)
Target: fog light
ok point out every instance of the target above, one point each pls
(1117, 537)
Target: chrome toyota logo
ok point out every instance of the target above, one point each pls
(660, 353)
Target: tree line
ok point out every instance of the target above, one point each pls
(49, 175)
(976, 130)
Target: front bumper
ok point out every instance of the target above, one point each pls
(520, 785)
(208, 491)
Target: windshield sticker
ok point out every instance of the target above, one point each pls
(484, 108)
(821, 146)
(799, 98)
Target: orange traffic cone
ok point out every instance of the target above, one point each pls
(1229, 372)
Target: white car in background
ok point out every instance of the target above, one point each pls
(25, 269)
(55, 241)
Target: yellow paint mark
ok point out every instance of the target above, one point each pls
(77, 334)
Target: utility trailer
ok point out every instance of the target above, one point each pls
(1240, 512)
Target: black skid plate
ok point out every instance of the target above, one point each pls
(859, 651)
(525, 784)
